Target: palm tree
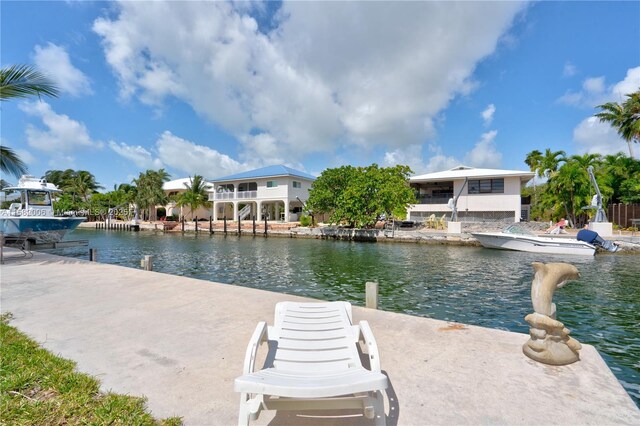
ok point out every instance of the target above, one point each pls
(625, 118)
(11, 163)
(550, 162)
(21, 81)
(196, 194)
(149, 192)
(83, 184)
(533, 160)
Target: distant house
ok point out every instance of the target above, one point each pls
(173, 189)
(489, 195)
(273, 192)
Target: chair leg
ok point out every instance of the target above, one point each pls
(243, 417)
(374, 408)
(380, 418)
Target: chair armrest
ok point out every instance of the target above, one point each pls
(259, 336)
(372, 346)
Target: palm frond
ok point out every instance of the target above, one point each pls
(23, 81)
(11, 163)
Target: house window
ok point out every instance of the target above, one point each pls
(297, 184)
(486, 186)
(272, 184)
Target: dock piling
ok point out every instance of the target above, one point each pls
(210, 225)
(239, 226)
(196, 219)
(147, 263)
(225, 225)
(254, 225)
(93, 255)
(265, 225)
(371, 295)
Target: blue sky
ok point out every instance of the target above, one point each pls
(217, 88)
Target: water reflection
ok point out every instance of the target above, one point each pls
(471, 285)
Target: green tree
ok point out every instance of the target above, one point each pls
(149, 192)
(80, 184)
(625, 118)
(195, 195)
(360, 196)
(21, 81)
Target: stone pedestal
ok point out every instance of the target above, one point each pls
(550, 342)
(604, 229)
(454, 227)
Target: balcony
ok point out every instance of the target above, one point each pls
(240, 195)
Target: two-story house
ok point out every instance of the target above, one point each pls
(274, 192)
(486, 195)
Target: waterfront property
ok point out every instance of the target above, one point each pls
(485, 194)
(176, 187)
(181, 342)
(272, 193)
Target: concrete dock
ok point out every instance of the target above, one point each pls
(180, 342)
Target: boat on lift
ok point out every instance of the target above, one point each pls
(31, 217)
(517, 238)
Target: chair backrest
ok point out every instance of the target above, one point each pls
(314, 337)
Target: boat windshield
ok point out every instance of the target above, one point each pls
(517, 230)
(39, 198)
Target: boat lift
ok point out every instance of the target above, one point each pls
(453, 202)
(596, 201)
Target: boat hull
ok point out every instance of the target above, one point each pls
(532, 244)
(38, 229)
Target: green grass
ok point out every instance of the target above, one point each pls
(37, 387)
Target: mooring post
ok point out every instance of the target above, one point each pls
(148, 262)
(225, 225)
(239, 225)
(93, 255)
(265, 225)
(196, 224)
(182, 222)
(254, 224)
(210, 225)
(371, 295)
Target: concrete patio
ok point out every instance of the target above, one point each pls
(180, 342)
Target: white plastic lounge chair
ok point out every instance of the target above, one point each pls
(313, 363)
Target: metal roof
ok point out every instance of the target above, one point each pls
(270, 171)
(462, 172)
(177, 184)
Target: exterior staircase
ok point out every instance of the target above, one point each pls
(246, 210)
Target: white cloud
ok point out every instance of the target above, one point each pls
(54, 60)
(487, 114)
(594, 137)
(596, 92)
(62, 134)
(330, 73)
(569, 69)
(139, 155)
(191, 158)
(485, 152)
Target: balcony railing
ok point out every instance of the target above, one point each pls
(429, 199)
(241, 195)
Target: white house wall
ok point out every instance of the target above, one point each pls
(509, 201)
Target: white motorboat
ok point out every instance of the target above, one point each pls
(32, 217)
(516, 238)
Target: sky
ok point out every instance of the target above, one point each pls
(217, 88)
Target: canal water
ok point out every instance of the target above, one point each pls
(471, 285)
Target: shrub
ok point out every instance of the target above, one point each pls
(305, 220)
